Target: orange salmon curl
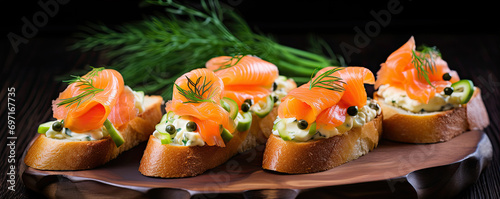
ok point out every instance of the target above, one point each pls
(399, 71)
(113, 102)
(328, 107)
(244, 76)
(206, 112)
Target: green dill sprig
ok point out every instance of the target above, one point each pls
(197, 90)
(85, 84)
(229, 63)
(425, 61)
(152, 53)
(328, 81)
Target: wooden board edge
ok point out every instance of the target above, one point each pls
(417, 184)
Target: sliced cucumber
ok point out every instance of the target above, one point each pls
(274, 126)
(163, 119)
(165, 138)
(171, 116)
(225, 105)
(281, 127)
(244, 121)
(225, 134)
(233, 107)
(168, 117)
(161, 127)
(43, 128)
(464, 90)
(312, 129)
(115, 135)
(263, 108)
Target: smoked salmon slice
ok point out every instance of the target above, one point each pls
(302, 103)
(328, 107)
(124, 110)
(244, 77)
(112, 101)
(399, 70)
(205, 111)
(355, 78)
(243, 70)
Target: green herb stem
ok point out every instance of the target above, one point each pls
(293, 69)
(151, 54)
(311, 59)
(328, 81)
(84, 84)
(196, 91)
(425, 62)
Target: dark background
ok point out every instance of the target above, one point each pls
(466, 32)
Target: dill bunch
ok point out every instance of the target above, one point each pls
(151, 54)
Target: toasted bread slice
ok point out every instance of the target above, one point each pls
(404, 126)
(321, 154)
(54, 154)
(170, 161)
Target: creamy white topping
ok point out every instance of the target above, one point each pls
(138, 100)
(181, 137)
(294, 131)
(398, 98)
(68, 135)
(282, 89)
(365, 114)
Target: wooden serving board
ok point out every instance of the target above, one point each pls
(392, 170)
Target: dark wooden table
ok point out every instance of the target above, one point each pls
(32, 71)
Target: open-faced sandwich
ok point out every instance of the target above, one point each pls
(324, 123)
(98, 117)
(423, 100)
(253, 87)
(196, 134)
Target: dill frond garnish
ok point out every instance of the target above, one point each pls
(328, 81)
(229, 63)
(184, 37)
(425, 61)
(196, 91)
(84, 84)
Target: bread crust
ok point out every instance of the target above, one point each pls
(404, 126)
(53, 154)
(321, 154)
(169, 161)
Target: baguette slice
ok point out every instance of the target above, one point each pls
(169, 161)
(404, 126)
(322, 154)
(53, 154)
